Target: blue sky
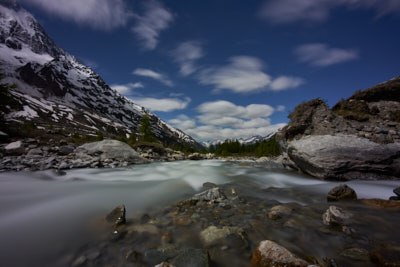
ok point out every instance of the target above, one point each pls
(229, 68)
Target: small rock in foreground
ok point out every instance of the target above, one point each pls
(117, 216)
(335, 216)
(269, 253)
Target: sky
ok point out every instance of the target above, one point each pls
(226, 69)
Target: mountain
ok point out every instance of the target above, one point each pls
(54, 89)
(249, 141)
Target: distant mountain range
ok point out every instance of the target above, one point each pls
(249, 141)
(54, 89)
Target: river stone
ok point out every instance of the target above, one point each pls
(208, 185)
(192, 258)
(117, 215)
(164, 264)
(269, 253)
(341, 192)
(335, 216)
(210, 194)
(397, 191)
(276, 212)
(344, 157)
(213, 235)
(111, 149)
(357, 254)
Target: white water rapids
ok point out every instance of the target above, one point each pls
(43, 215)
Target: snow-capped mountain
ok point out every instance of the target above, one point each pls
(248, 141)
(54, 88)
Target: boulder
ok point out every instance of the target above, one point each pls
(335, 216)
(195, 156)
(344, 157)
(65, 150)
(192, 258)
(211, 194)
(269, 253)
(110, 149)
(14, 148)
(117, 216)
(341, 192)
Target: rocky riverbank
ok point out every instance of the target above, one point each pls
(359, 138)
(31, 155)
(223, 226)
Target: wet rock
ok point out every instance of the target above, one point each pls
(192, 258)
(154, 256)
(63, 165)
(356, 254)
(213, 235)
(397, 191)
(208, 185)
(335, 216)
(209, 195)
(386, 256)
(278, 211)
(117, 216)
(341, 192)
(269, 253)
(166, 238)
(92, 254)
(394, 198)
(80, 261)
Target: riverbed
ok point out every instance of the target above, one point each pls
(44, 215)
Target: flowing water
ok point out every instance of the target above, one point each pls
(43, 215)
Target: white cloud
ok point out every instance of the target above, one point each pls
(220, 120)
(99, 14)
(156, 18)
(154, 75)
(280, 108)
(186, 55)
(126, 88)
(225, 108)
(285, 82)
(162, 104)
(322, 55)
(245, 74)
(291, 11)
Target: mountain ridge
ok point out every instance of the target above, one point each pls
(54, 88)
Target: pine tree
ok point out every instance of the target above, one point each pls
(145, 129)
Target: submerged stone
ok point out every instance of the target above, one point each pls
(117, 216)
(192, 258)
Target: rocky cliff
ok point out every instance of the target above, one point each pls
(359, 138)
(55, 90)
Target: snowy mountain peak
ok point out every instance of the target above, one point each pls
(53, 87)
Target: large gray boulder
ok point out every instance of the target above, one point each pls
(111, 149)
(344, 157)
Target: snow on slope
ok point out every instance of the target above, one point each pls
(55, 87)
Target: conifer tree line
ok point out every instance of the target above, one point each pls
(266, 148)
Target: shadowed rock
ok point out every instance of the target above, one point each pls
(341, 192)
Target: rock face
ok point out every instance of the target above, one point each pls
(341, 192)
(111, 149)
(359, 138)
(269, 253)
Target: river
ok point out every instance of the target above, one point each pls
(43, 215)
